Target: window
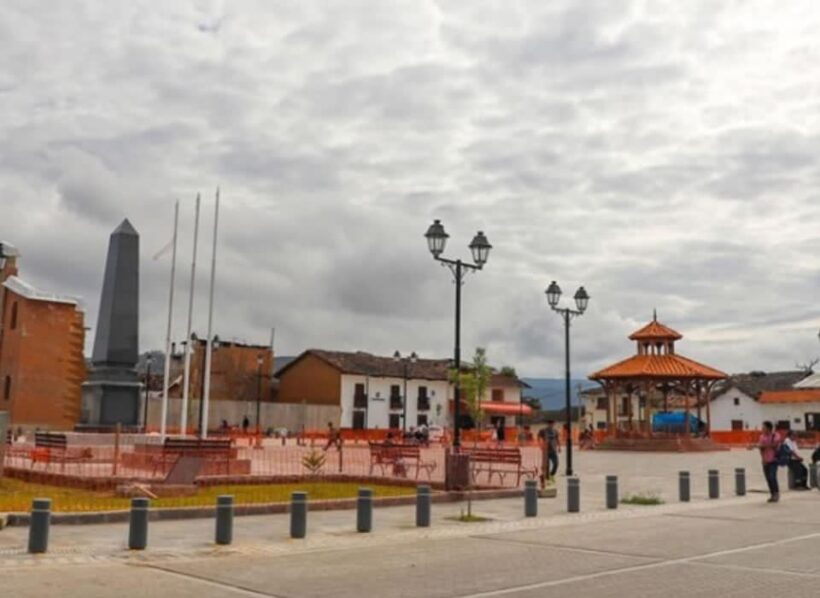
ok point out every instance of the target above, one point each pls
(358, 420)
(422, 392)
(498, 394)
(394, 422)
(737, 401)
(13, 324)
(395, 391)
(626, 403)
(422, 419)
(602, 404)
(423, 400)
(601, 425)
(7, 388)
(395, 397)
(737, 424)
(783, 424)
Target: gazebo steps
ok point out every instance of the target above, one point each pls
(668, 445)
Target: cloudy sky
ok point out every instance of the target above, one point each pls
(663, 154)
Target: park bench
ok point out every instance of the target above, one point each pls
(394, 457)
(207, 449)
(498, 461)
(52, 447)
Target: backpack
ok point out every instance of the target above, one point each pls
(783, 454)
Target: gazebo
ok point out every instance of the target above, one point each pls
(661, 380)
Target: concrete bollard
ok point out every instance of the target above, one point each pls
(611, 492)
(138, 524)
(40, 522)
(298, 514)
(714, 483)
(364, 511)
(740, 481)
(813, 475)
(424, 501)
(684, 486)
(791, 479)
(573, 495)
(530, 498)
(224, 519)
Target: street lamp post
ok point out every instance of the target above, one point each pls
(480, 248)
(201, 425)
(148, 361)
(553, 293)
(259, 361)
(407, 361)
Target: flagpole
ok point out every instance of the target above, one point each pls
(165, 381)
(206, 392)
(186, 385)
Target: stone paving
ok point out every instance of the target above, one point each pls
(731, 546)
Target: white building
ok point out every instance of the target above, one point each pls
(376, 392)
(744, 401)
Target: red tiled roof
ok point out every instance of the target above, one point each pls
(655, 331)
(802, 395)
(658, 366)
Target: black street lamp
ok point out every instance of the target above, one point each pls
(259, 361)
(581, 301)
(214, 346)
(480, 248)
(148, 361)
(407, 361)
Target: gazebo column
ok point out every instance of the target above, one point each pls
(709, 409)
(608, 391)
(686, 427)
(698, 395)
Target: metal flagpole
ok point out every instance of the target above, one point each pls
(206, 391)
(166, 381)
(186, 385)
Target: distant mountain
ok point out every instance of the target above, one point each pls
(551, 391)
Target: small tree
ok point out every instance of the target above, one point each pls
(314, 462)
(508, 371)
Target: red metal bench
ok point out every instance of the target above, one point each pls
(208, 449)
(398, 456)
(498, 461)
(51, 447)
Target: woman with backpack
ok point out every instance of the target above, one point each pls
(769, 444)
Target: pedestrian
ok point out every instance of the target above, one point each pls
(795, 463)
(550, 449)
(500, 432)
(768, 444)
(334, 437)
(246, 423)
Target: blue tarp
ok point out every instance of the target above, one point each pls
(674, 421)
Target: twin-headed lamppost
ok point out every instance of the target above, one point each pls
(581, 301)
(480, 248)
(407, 361)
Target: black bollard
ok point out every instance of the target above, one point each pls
(530, 498)
(298, 514)
(714, 483)
(792, 481)
(573, 495)
(740, 481)
(138, 524)
(224, 519)
(684, 486)
(611, 492)
(424, 501)
(364, 511)
(813, 483)
(38, 528)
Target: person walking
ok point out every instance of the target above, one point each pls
(500, 432)
(799, 471)
(768, 444)
(550, 449)
(334, 437)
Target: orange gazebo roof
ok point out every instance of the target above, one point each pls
(655, 331)
(659, 366)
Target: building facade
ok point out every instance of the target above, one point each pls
(745, 401)
(42, 366)
(376, 392)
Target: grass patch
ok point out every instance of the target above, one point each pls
(468, 518)
(16, 495)
(643, 499)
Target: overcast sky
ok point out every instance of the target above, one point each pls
(663, 154)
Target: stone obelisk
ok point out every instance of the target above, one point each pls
(111, 393)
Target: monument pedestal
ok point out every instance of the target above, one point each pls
(111, 397)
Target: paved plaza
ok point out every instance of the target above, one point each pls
(727, 547)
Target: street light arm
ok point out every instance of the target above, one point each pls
(449, 262)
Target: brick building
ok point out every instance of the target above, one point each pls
(239, 372)
(42, 366)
